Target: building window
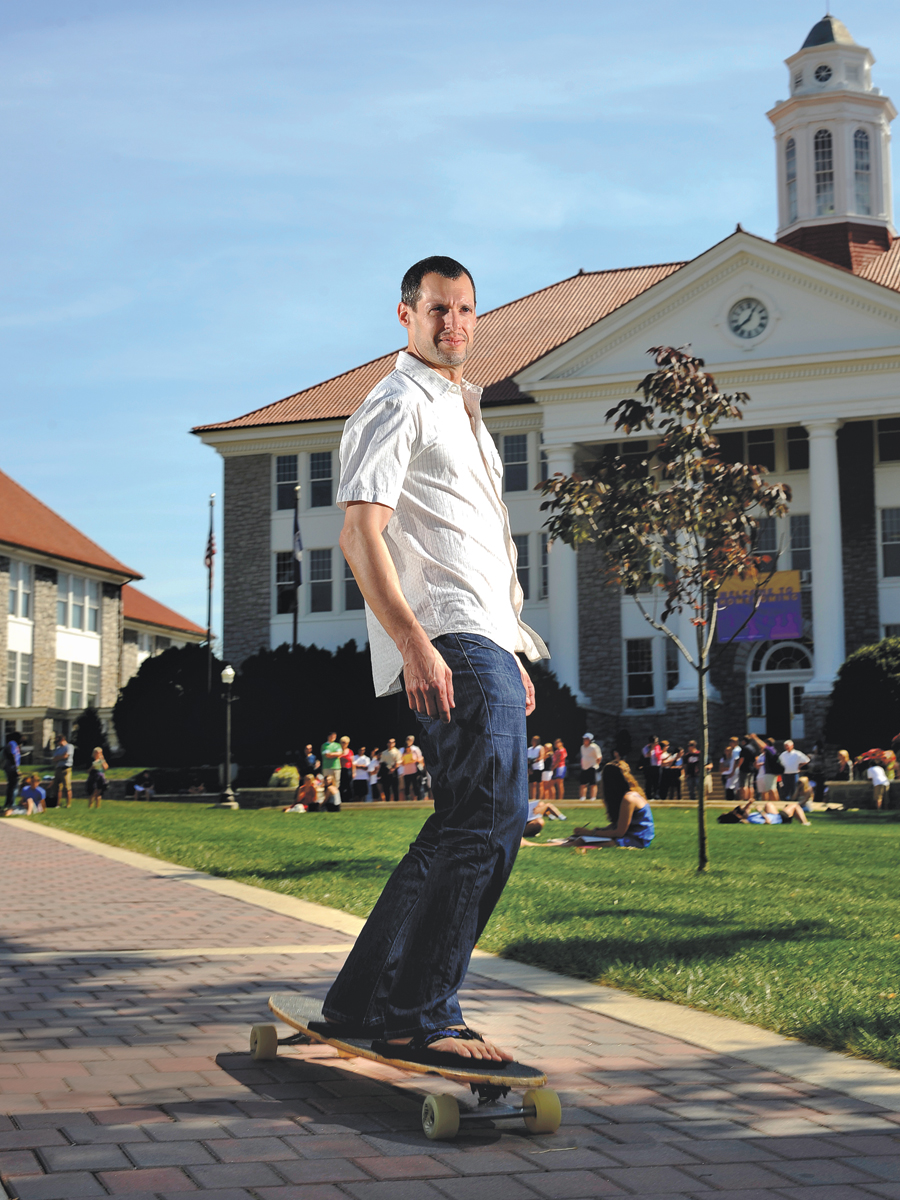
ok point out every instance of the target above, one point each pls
(797, 448)
(798, 80)
(320, 581)
(788, 658)
(545, 569)
(515, 462)
(862, 172)
(145, 643)
(20, 584)
(76, 685)
(756, 446)
(671, 665)
(18, 680)
(286, 480)
(761, 448)
(639, 667)
(823, 73)
(285, 592)
(545, 467)
(892, 631)
(77, 602)
(889, 440)
(162, 643)
(801, 553)
(93, 687)
(756, 702)
(62, 684)
(890, 541)
(766, 542)
(522, 571)
(353, 597)
(790, 175)
(824, 163)
(320, 483)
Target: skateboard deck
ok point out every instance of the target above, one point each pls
(440, 1114)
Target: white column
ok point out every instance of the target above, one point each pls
(826, 547)
(563, 589)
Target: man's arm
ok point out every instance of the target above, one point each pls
(428, 679)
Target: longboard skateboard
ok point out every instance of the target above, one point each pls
(441, 1114)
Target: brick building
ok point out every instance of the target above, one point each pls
(808, 324)
(75, 628)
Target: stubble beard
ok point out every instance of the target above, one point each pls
(439, 353)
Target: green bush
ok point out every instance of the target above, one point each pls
(865, 704)
(88, 733)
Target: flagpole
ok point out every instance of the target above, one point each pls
(210, 551)
(294, 554)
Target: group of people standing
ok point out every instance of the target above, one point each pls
(26, 794)
(665, 766)
(360, 776)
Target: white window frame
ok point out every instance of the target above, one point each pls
(21, 586)
(20, 674)
(90, 599)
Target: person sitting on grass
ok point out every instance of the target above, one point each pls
(768, 814)
(537, 811)
(143, 787)
(305, 797)
(630, 817)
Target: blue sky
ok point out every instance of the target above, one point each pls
(207, 206)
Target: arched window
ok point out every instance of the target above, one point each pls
(788, 658)
(862, 172)
(790, 175)
(824, 162)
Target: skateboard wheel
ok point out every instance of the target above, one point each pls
(440, 1117)
(264, 1041)
(547, 1116)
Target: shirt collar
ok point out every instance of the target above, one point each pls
(435, 384)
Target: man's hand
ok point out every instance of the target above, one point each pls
(428, 681)
(529, 690)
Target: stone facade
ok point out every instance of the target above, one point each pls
(247, 566)
(128, 663)
(859, 533)
(4, 625)
(600, 644)
(43, 681)
(111, 633)
(815, 710)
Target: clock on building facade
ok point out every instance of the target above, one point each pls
(748, 318)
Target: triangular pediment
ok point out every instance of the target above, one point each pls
(804, 308)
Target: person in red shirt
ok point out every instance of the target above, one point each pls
(346, 783)
(560, 754)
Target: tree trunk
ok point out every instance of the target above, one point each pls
(702, 848)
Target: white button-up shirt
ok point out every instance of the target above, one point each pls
(410, 446)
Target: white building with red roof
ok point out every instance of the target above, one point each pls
(808, 324)
(75, 628)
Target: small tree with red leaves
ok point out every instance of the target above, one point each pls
(679, 523)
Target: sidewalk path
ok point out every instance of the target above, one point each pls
(127, 995)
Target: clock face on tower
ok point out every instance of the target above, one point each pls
(748, 318)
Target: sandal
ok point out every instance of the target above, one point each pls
(417, 1050)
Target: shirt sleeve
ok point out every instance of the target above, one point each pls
(376, 449)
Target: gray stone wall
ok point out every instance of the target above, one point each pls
(4, 628)
(110, 643)
(44, 664)
(247, 556)
(856, 466)
(128, 666)
(599, 644)
(815, 709)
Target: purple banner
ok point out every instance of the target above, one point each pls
(779, 615)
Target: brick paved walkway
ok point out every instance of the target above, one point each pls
(129, 1076)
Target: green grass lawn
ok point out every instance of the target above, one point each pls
(793, 929)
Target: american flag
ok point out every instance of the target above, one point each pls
(210, 549)
(297, 551)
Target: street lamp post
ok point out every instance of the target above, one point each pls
(226, 799)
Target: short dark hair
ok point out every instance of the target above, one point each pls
(435, 264)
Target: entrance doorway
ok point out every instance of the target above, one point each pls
(778, 711)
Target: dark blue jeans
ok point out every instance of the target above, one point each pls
(408, 962)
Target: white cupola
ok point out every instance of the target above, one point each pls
(832, 140)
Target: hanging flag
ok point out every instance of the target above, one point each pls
(298, 550)
(210, 548)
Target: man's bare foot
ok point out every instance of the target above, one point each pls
(485, 1050)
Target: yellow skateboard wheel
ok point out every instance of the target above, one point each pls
(264, 1042)
(440, 1117)
(547, 1110)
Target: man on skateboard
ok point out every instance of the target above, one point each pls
(427, 537)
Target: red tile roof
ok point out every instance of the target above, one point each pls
(509, 338)
(136, 606)
(28, 524)
(517, 334)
